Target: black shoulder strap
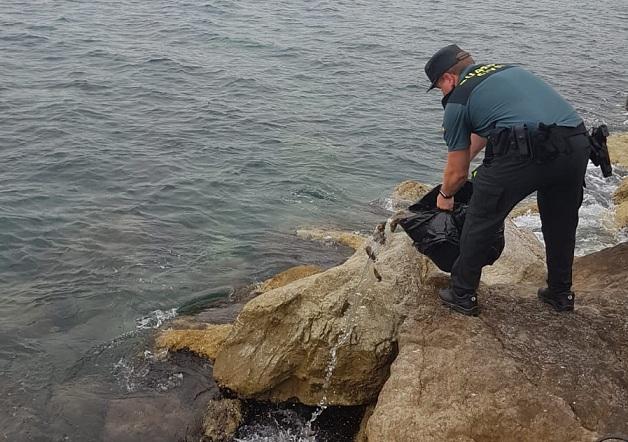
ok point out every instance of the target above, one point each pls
(474, 77)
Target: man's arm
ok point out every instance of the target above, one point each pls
(477, 144)
(454, 176)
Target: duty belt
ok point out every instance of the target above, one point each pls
(542, 144)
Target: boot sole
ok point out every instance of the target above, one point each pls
(473, 311)
(556, 306)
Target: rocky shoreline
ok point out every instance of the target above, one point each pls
(371, 334)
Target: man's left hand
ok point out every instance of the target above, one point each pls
(444, 203)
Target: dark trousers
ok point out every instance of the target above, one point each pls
(498, 187)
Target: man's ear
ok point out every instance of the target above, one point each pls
(450, 77)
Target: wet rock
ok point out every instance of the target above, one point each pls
(361, 435)
(146, 418)
(621, 194)
(353, 240)
(618, 148)
(222, 419)
(288, 276)
(224, 314)
(285, 340)
(620, 198)
(407, 193)
(621, 215)
(202, 342)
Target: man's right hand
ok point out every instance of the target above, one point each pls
(445, 203)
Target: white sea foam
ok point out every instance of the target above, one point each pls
(155, 319)
(596, 228)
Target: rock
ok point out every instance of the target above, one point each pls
(281, 344)
(353, 240)
(284, 340)
(222, 419)
(621, 215)
(618, 149)
(203, 342)
(602, 271)
(288, 276)
(407, 193)
(621, 194)
(361, 435)
(524, 208)
(518, 372)
(523, 259)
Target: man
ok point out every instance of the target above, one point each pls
(535, 141)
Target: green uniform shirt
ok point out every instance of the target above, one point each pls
(499, 95)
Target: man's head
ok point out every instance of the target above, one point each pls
(444, 67)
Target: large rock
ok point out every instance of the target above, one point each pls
(288, 276)
(518, 372)
(329, 337)
(618, 149)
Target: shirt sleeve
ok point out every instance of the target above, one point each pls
(456, 127)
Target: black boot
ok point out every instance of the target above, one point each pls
(467, 305)
(562, 302)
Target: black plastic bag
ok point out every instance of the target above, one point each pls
(436, 233)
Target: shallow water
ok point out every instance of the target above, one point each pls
(161, 152)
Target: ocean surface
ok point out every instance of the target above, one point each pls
(159, 152)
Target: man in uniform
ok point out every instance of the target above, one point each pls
(535, 141)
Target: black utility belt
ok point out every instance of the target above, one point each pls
(543, 143)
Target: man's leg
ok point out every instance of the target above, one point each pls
(559, 201)
(485, 216)
(558, 207)
(496, 190)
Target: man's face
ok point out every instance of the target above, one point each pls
(447, 82)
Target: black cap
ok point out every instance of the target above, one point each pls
(442, 61)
